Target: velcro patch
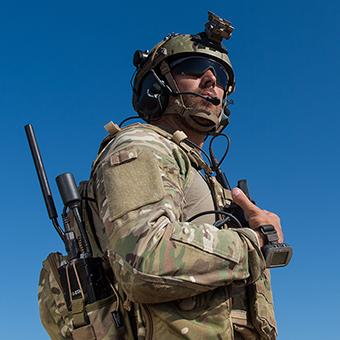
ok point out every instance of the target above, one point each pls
(123, 156)
(132, 180)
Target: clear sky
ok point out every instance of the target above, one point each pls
(65, 67)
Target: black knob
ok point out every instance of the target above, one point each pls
(68, 189)
(140, 57)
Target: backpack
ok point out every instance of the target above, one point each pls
(102, 319)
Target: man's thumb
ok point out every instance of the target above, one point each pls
(240, 198)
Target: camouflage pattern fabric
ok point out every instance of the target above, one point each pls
(58, 321)
(53, 311)
(180, 275)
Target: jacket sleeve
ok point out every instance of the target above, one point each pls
(157, 257)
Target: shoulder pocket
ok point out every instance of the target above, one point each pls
(132, 179)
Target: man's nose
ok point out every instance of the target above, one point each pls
(208, 79)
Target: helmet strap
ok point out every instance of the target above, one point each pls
(166, 73)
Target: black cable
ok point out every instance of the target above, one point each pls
(131, 80)
(198, 148)
(217, 212)
(218, 224)
(213, 158)
(220, 176)
(126, 119)
(57, 227)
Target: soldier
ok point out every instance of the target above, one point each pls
(184, 280)
(176, 279)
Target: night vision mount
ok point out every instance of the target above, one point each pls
(217, 28)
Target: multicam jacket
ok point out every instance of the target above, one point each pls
(183, 280)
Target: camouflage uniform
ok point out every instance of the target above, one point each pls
(175, 280)
(181, 277)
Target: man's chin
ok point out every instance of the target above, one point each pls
(203, 122)
(209, 110)
(206, 108)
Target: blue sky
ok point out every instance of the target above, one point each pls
(65, 67)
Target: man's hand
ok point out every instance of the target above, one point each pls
(256, 216)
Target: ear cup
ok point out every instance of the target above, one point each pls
(152, 99)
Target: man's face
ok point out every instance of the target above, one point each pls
(204, 85)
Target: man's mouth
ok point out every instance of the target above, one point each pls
(208, 94)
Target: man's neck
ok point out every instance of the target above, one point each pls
(172, 123)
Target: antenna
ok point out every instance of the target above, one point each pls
(45, 188)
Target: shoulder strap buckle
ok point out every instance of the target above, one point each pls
(112, 128)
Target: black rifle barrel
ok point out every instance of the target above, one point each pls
(45, 188)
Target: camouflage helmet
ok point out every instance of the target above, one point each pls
(154, 83)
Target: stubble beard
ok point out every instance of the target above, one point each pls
(202, 105)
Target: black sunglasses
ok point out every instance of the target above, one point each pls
(197, 66)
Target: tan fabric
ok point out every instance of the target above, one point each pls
(197, 199)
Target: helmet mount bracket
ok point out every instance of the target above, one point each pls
(217, 28)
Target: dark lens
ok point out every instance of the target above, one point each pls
(196, 66)
(220, 74)
(190, 66)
